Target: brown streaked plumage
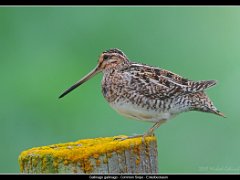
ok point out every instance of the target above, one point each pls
(147, 93)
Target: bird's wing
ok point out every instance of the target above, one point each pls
(159, 83)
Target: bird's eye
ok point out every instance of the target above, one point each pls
(105, 57)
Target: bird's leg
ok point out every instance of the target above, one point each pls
(148, 133)
(152, 129)
(155, 126)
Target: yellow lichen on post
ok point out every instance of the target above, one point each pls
(99, 155)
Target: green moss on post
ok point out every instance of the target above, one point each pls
(99, 155)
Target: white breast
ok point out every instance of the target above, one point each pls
(132, 111)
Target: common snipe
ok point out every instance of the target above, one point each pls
(147, 93)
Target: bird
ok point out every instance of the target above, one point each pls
(147, 93)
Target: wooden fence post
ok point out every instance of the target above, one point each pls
(87, 156)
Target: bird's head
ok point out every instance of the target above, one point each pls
(108, 60)
(111, 59)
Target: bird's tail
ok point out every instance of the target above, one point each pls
(201, 102)
(197, 86)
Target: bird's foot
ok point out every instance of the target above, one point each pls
(128, 137)
(147, 134)
(135, 136)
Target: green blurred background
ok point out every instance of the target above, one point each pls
(44, 50)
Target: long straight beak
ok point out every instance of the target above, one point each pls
(81, 81)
